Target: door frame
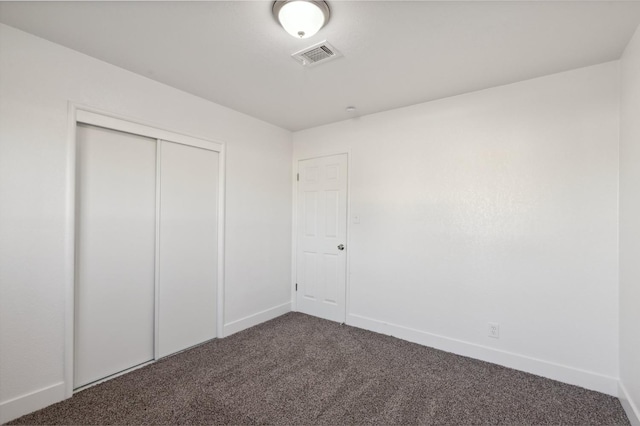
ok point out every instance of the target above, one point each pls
(294, 227)
(78, 113)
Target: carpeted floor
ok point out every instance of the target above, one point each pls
(298, 369)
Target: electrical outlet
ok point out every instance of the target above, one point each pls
(494, 330)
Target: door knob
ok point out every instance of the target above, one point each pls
(341, 247)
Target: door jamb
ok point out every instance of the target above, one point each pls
(77, 113)
(294, 227)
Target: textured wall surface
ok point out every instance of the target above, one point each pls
(630, 223)
(494, 206)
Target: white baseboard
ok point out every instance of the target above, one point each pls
(633, 413)
(25, 404)
(561, 373)
(255, 319)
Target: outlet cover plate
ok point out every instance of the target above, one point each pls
(494, 330)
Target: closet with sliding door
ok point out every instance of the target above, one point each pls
(147, 245)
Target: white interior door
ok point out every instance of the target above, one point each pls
(322, 223)
(116, 201)
(188, 246)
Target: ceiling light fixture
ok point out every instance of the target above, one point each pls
(301, 18)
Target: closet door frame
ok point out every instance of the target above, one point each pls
(96, 117)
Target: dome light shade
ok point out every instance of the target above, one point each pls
(301, 18)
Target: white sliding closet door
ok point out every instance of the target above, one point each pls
(114, 306)
(188, 246)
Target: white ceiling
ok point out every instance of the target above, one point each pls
(396, 53)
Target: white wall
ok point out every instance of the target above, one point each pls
(630, 229)
(498, 205)
(37, 79)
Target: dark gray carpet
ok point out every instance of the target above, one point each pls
(297, 369)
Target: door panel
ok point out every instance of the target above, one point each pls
(322, 222)
(115, 252)
(188, 269)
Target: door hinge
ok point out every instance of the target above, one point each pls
(296, 286)
(298, 177)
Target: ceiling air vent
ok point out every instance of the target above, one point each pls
(321, 52)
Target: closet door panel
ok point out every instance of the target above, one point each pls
(188, 251)
(115, 263)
